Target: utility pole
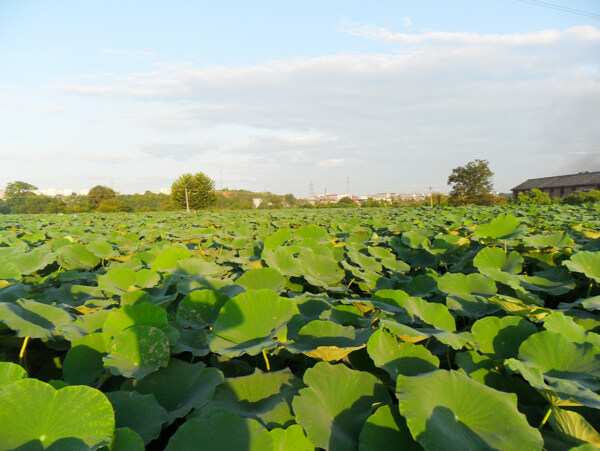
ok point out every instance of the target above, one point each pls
(221, 178)
(347, 185)
(187, 201)
(430, 197)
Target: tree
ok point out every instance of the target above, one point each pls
(471, 184)
(346, 202)
(535, 197)
(17, 189)
(99, 193)
(113, 205)
(200, 191)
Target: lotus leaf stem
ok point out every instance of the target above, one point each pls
(545, 418)
(351, 282)
(590, 288)
(264, 353)
(22, 352)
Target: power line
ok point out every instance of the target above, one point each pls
(561, 8)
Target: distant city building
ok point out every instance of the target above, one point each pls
(561, 185)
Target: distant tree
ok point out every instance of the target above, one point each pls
(4, 208)
(113, 205)
(471, 184)
(99, 193)
(534, 197)
(16, 189)
(289, 200)
(581, 197)
(200, 190)
(346, 202)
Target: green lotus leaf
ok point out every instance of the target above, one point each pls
(143, 314)
(139, 412)
(291, 439)
(137, 351)
(388, 259)
(84, 325)
(404, 358)
(556, 240)
(421, 285)
(313, 231)
(117, 281)
(335, 405)
(277, 239)
(8, 270)
(468, 294)
(83, 363)
(434, 314)
(262, 278)
(320, 270)
(250, 322)
(194, 341)
(32, 261)
(448, 410)
(573, 427)
(496, 258)
(76, 256)
(592, 303)
(33, 319)
(197, 266)
(102, 249)
(223, 431)
(208, 283)
(417, 238)
(266, 397)
(283, 260)
(200, 308)
(585, 262)
(555, 281)
(501, 337)
(180, 387)
(386, 429)
(517, 307)
(559, 323)
(328, 341)
(146, 278)
(168, 258)
(125, 439)
(33, 412)
(412, 335)
(502, 227)
(364, 261)
(10, 372)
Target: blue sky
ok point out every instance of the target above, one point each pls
(273, 94)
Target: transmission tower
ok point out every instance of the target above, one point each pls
(311, 190)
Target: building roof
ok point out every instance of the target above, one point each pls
(571, 180)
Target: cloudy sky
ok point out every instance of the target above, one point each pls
(271, 95)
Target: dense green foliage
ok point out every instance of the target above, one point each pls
(471, 184)
(534, 197)
(196, 191)
(437, 329)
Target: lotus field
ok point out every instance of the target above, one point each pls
(343, 329)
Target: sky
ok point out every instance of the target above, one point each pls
(385, 96)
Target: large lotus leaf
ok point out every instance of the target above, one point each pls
(179, 387)
(117, 281)
(200, 308)
(559, 323)
(34, 412)
(290, 439)
(364, 261)
(137, 351)
(585, 262)
(8, 270)
(76, 256)
(194, 341)
(33, 319)
(573, 427)
(434, 314)
(404, 358)
(125, 439)
(102, 249)
(146, 278)
(33, 261)
(140, 412)
(168, 258)
(555, 281)
(10, 372)
(386, 429)
(262, 278)
(283, 260)
(416, 238)
(328, 341)
(336, 403)
(313, 231)
(200, 267)
(277, 239)
(502, 227)
(411, 335)
(496, 258)
(556, 240)
(84, 325)
(388, 259)
(249, 323)
(468, 294)
(517, 307)
(448, 410)
(320, 270)
(501, 337)
(83, 363)
(560, 358)
(143, 314)
(223, 431)
(225, 286)
(266, 397)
